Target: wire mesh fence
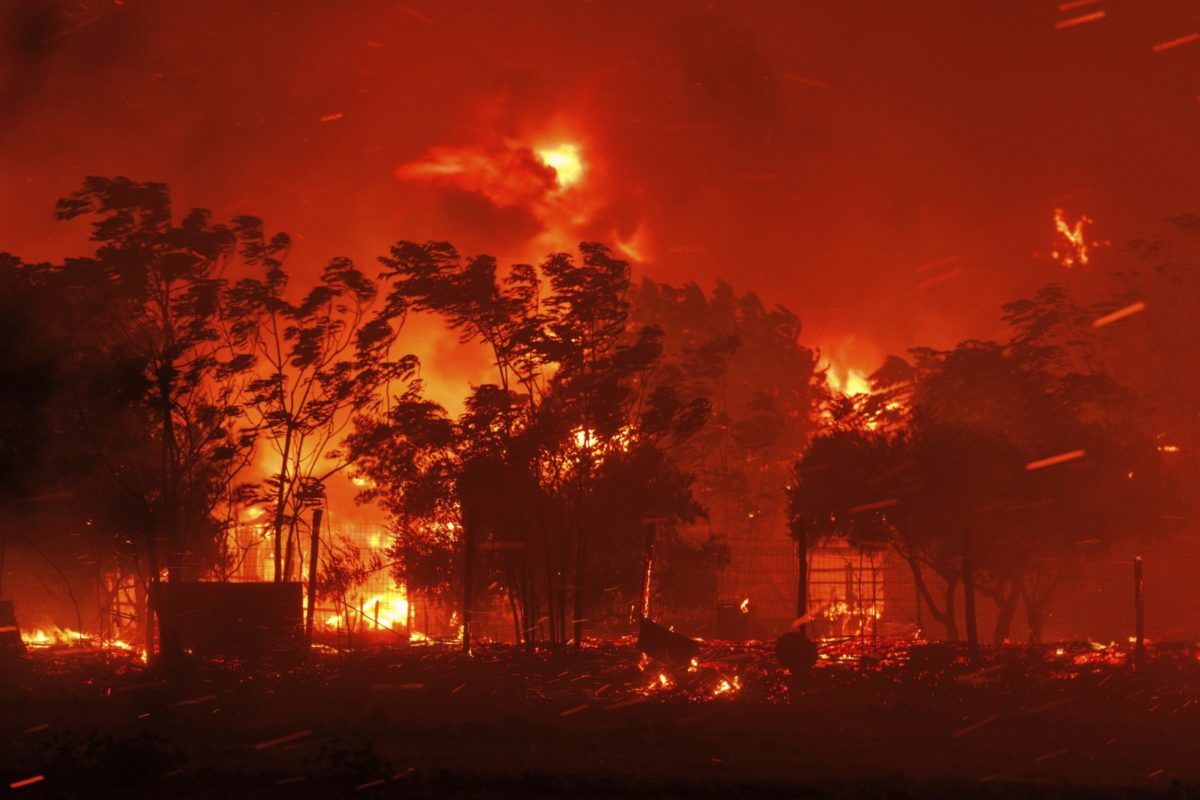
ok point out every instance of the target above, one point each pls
(851, 593)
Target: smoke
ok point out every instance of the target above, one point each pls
(818, 154)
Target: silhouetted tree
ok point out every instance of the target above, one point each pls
(570, 400)
(161, 287)
(323, 358)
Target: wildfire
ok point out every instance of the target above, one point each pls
(383, 612)
(54, 636)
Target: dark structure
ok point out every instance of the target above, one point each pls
(238, 619)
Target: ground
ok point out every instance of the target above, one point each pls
(918, 720)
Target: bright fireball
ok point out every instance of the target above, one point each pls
(564, 160)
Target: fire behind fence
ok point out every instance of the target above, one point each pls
(852, 594)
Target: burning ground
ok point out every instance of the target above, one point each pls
(1079, 720)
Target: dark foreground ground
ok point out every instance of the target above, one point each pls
(426, 721)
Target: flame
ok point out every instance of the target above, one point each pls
(850, 382)
(564, 159)
(387, 611)
(54, 636)
(1075, 249)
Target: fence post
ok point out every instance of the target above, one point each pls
(312, 575)
(1139, 607)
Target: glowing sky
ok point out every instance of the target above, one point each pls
(824, 154)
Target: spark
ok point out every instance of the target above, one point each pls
(1120, 313)
(417, 15)
(27, 782)
(1052, 460)
(1073, 4)
(1191, 37)
(942, 278)
(566, 163)
(974, 726)
(891, 501)
(1081, 19)
(813, 82)
(291, 737)
(332, 117)
(745, 606)
(937, 262)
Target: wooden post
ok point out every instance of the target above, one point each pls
(968, 570)
(1139, 607)
(313, 550)
(802, 581)
(648, 564)
(468, 530)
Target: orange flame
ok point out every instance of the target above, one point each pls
(1075, 249)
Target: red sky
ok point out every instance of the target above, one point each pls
(815, 152)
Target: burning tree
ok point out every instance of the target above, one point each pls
(323, 359)
(570, 410)
(764, 387)
(999, 467)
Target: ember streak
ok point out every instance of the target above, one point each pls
(529, 398)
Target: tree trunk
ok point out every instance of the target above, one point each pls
(968, 578)
(1008, 610)
(468, 579)
(951, 606)
(945, 618)
(280, 503)
(170, 643)
(580, 563)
